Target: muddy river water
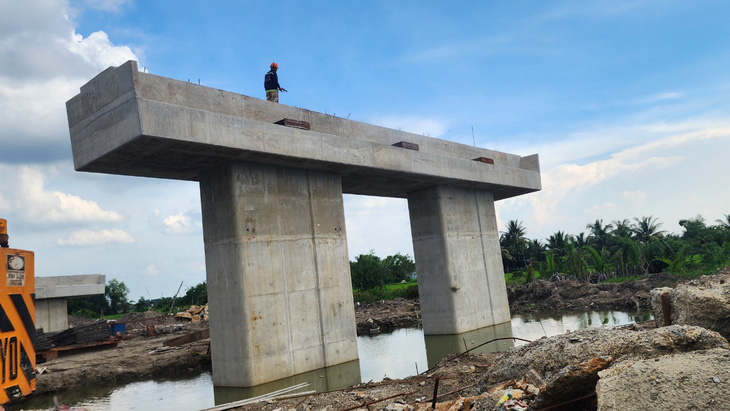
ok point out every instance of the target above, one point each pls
(399, 354)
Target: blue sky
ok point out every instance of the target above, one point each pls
(625, 102)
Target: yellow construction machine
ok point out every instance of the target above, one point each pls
(17, 320)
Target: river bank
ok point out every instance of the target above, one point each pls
(139, 358)
(537, 296)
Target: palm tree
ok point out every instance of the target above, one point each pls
(580, 240)
(535, 250)
(514, 242)
(622, 229)
(600, 234)
(573, 261)
(557, 243)
(724, 223)
(627, 256)
(647, 229)
(650, 239)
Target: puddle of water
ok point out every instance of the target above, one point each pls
(399, 354)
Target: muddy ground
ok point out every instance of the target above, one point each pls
(138, 356)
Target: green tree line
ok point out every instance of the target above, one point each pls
(115, 301)
(372, 275)
(622, 248)
(604, 252)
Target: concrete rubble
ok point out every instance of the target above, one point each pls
(704, 302)
(547, 356)
(559, 370)
(676, 367)
(697, 380)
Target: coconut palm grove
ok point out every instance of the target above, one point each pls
(617, 250)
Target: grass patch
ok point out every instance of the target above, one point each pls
(400, 286)
(409, 291)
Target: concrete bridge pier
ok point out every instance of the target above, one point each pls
(278, 272)
(271, 179)
(458, 259)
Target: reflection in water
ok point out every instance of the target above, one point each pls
(439, 346)
(185, 393)
(393, 355)
(399, 354)
(535, 325)
(325, 379)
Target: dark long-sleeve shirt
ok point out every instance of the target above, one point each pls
(271, 81)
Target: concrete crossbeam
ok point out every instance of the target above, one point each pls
(51, 294)
(132, 123)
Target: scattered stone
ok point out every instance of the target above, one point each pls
(677, 381)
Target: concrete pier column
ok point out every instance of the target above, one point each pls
(458, 259)
(278, 272)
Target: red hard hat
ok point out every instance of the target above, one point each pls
(274, 65)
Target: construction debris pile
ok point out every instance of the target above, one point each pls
(85, 334)
(637, 367)
(151, 323)
(565, 369)
(195, 313)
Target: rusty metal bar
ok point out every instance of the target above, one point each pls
(435, 393)
(666, 310)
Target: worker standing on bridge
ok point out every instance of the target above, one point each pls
(271, 84)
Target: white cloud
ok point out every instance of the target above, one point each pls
(88, 237)
(180, 223)
(44, 62)
(98, 51)
(670, 95)
(377, 223)
(151, 270)
(38, 205)
(635, 180)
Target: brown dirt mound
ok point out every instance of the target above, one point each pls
(541, 295)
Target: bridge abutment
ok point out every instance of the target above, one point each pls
(278, 272)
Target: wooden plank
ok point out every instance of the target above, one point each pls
(188, 338)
